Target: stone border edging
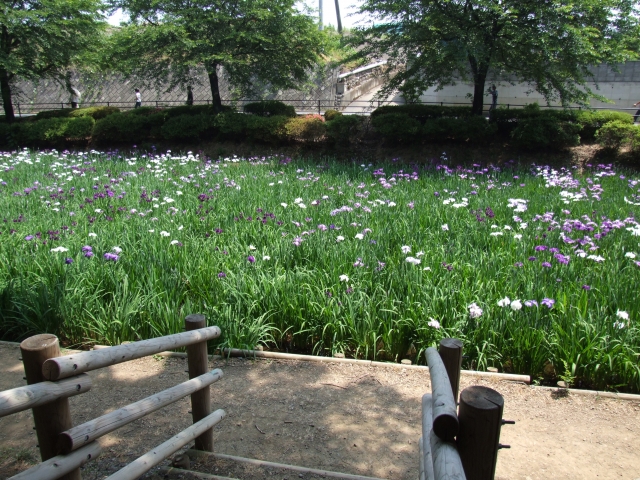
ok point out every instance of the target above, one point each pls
(234, 352)
(592, 393)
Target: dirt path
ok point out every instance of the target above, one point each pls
(355, 419)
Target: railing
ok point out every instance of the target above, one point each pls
(363, 107)
(458, 444)
(53, 378)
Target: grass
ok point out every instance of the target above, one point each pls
(255, 245)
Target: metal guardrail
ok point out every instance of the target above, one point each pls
(302, 105)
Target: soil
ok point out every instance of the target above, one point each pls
(341, 417)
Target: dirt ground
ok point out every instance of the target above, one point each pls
(341, 417)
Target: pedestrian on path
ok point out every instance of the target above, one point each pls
(494, 98)
(138, 99)
(189, 95)
(635, 117)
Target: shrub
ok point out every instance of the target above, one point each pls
(545, 131)
(634, 139)
(591, 120)
(612, 135)
(231, 126)
(423, 112)
(142, 111)
(124, 127)
(397, 127)
(79, 128)
(507, 120)
(307, 129)
(331, 114)
(60, 113)
(95, 112)
(266, 129)
(270, 108)
(189, 110)
(187, 127)
(343, 128)
(473, 129)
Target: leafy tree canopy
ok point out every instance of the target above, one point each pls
(255, 41)
(547, 43)
(42, 38)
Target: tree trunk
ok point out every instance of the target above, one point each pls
(215, 88)
(478, 94)
(5, 89)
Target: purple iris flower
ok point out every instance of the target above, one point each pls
(88, 254)
(530, 303)
(251, 259)
(540, 248)
(111, 256)
(222, 275)
(532, 259)
(68, 261)
(586, 287)
(548, 302)
(546, 265)
(28, 238)
(86, 249)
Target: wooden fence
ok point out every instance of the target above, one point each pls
(53, 378)
(458, 444)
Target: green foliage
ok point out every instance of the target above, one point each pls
(613, 135)
(507, 120)
(266, 129)
(269, 108)
(546, 131)
(96, 113)
(397, 127)
(79, 128)
(190, 110)
(129, 127)
(471, 129)
(261, 44)
(187, 127)
(592, 120)
(423, 112)
(331, 114)
(343, 128)
(231, 125)
(59, 113)
(550, 45)
(306, 129)
(42, 38)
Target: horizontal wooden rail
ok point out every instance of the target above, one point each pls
(78, 436)
(152, 458)
(444, 410)
(60, 465)
(294, 468)
(24, 398)
(68, 365)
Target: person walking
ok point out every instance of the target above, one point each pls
(138, 99)
(635, 117)
(494, 97)
(75, 97)
(189, 95)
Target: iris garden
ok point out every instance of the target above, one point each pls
(535, 268)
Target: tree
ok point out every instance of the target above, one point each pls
(42, 38)
(549, 44)
(254, 41)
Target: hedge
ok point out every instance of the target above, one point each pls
(423, 112)
(187, 127)
(130, 127)
(48, 132)
(95, 112)
(270, 108)
(612, 135)
(342, 129)
(592, 120)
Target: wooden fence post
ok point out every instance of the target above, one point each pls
(480, 419)
(53, 418)
(199, 365)
(451, 352)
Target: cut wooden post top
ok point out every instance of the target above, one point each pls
(482, 398)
